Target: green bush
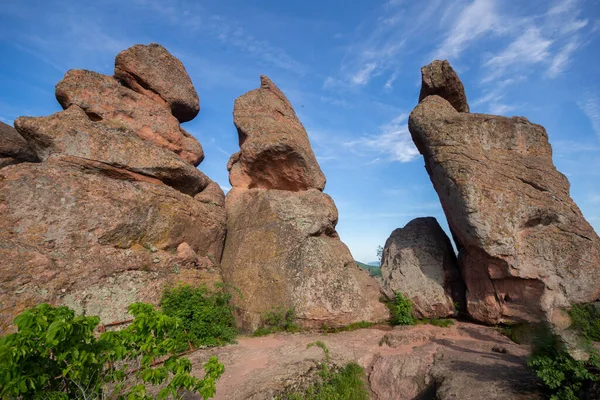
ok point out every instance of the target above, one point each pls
(350, 327)
(402, 310)
(441, 322)
(57, 355)
(277, 320)
(564, 377)
(207, 317)
(347, 383)
(586, 319)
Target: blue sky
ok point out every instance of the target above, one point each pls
(351, 68)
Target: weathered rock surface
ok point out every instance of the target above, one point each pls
(103, 98)
(13, 148)
(450, 363)
(419, 262)
(275, 152)
(67, 228)
(525, 250)
(114, 211)
(152, 71)
(438, 78)
(72, 133)
(282, 251)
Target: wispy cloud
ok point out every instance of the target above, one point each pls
(562, 59)
(393, 143)
(474, 21)
(590, 105)
(531, 47)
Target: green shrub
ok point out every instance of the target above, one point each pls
(57, 355)
(350, 327)
(347, 383)
(586, 319)
(441, 322)
(207, 317)
(564, 377)
(277, 320)
(402, 310)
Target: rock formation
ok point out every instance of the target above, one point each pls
(282, 250)
(419, 262)
(274, 149)
(151, 70)
(439, 78)
(13, 148)
(525, 250)
(115, 210)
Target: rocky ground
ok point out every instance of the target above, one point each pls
(464, 361)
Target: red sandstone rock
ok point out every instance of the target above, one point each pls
(275, 152)
(419, 262)
(72, 235)
(152, 71)
(282, 252)
(13, 148)
(525, 249)
(438, 78)
(71, 133)
(102, 98)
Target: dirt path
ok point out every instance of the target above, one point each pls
(465, 361)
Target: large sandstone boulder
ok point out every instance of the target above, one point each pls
(103, 98)
(72, 133)
(282, 252)
(67, 228)
(115, 210)
(439, 78)
(152, 71)
(13, 148)
(275, 152)
(419, 262)
(525, 249)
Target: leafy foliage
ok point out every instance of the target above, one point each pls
(56, 355)
(374, 270)
(564, 377)
(586, 319)
(380, 253)
(277, 320)
(348, 383)
(207, 317)
(402, 310)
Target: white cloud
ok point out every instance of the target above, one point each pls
(475, 20)
(590, 105)
(531, 47)
(364, 75)
(389, 84)
(562, 59)
(500, 109)
(394, 142)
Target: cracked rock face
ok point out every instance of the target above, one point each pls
(154, 72)
(419, 262)
(439, 78)
(13, 148)
(282, 250)
(275, 152)
(104, 99)
(114, 211)
(525, 249)
(72, 133)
